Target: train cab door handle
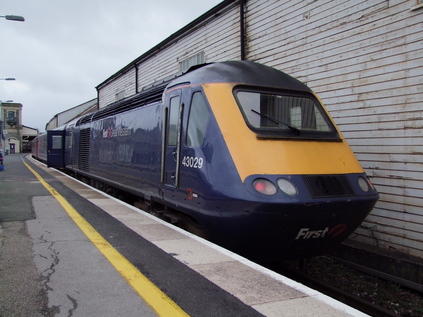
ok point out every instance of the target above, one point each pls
(175, 154)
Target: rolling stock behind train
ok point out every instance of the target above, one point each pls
(244, 152)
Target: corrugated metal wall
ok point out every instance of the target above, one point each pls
(365, 60)
(218, 39)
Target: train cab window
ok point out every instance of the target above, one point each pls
(285, 115)
(197, 121)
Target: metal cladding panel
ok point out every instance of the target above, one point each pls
(365, 60)
(300, 231)
(125, 148)
(218, 39)
(124, 83)
(42, 147)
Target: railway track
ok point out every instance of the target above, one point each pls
(328, 284)
(333, 292)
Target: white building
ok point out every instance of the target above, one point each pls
(65, 116)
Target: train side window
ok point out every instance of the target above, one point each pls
(197, 122)
(173, 121)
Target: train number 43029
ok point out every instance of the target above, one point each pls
(192, 161)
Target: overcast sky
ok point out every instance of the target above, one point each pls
(64, 49)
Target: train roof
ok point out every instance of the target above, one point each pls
(240, 72)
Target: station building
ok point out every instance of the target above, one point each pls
(14, 137)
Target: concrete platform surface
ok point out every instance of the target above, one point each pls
(74, 279)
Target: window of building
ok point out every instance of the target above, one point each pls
(120, 95)
(11, 114)
(197, 59)
(11, 118)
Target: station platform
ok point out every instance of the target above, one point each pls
(67, 249)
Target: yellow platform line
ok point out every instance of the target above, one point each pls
(151, 294)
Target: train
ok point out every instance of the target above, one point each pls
(239, 152)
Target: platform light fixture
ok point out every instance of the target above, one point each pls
(13, 17)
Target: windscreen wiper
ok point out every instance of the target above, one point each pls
(291, 127)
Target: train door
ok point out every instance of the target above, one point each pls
(171, 139)
(55, 149)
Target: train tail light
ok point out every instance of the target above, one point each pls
(264, 186)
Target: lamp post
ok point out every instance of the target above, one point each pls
(13, 17)
(10, 18)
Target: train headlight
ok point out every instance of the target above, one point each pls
(264, 186)
(364, 184)
(287, 187)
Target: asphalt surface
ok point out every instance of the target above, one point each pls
(21, 292)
